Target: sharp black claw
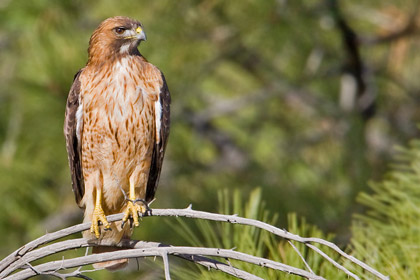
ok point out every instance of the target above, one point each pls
(142, 201)
(129, 219)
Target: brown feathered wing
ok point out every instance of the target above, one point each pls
(160, 145)
(73, 143)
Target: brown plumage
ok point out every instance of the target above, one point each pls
(116, 129)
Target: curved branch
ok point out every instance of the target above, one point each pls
(158, 251)
(133, 244)
(234, 219)
(24, 253)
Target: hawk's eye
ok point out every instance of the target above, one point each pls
(119, 30)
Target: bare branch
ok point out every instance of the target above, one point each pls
(81, 243)
(250, 222)
(333, 262)
(166, 266)
(48, 238)
(300, 255)
(27, 253)
(226, 268)
(158, 251)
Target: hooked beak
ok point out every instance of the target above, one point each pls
(140, 35)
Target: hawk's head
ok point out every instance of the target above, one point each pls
(114, 37)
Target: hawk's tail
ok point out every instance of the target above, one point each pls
(110, 265)
(108, 239)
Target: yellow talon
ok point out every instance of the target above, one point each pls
(98, 216)
(133, 209)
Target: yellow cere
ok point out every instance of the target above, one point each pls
(138, 29)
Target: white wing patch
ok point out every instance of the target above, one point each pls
(158, 116)
(79, 121)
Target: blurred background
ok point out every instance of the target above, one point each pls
(306, 100)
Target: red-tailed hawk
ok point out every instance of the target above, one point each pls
(116, 129)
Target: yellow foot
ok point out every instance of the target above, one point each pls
(99, 216)
(133, 209)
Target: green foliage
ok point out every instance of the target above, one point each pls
(253, 241)
(388, 235)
